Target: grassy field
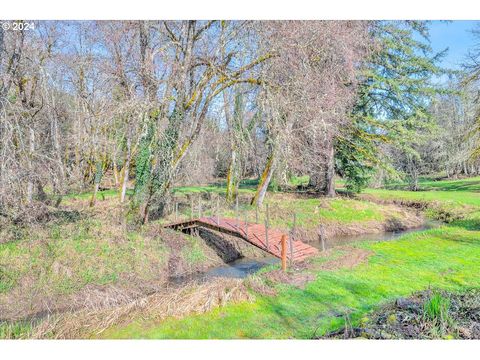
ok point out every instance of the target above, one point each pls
(445, 257)
(97, 249)
(427, 184)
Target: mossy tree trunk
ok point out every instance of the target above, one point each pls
(264, 181)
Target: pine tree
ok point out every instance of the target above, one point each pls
(395, 92)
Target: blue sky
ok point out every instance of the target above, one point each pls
(454, 35)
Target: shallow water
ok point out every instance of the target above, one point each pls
(384, 236)
(241, 268)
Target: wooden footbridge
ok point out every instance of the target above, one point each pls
(270, 240)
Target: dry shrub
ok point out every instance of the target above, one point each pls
(259, 286)
(174, 302)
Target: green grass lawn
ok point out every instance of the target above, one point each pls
(445, 257)
(428, 184)
(447, 198)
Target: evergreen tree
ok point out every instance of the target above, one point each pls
(395, 93)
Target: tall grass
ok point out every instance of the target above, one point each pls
(436, 310)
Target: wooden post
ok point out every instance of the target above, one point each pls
(218, 210)
(266, 234)
(294, 225)
(284, 252)
(199, 207)
(191, 208)
(293, 237)
(322, 237)
(246, 224)
(236, 210)
(268, 214)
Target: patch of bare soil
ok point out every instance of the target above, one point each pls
(442, 213)
(397, 218)
(407, 318)
(350, 258)
(297, 279)
(304, 272)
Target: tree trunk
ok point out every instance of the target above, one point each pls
(93, 199)
(322, 179)
(97, 180)
(264, 182)
(31, 145)
(125, 172)
(58, 186)
(413, 173)
(115, 171)
(231, 178)
(330, 174)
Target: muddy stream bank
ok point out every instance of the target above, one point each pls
(239, 266)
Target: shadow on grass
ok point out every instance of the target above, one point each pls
(443, 185)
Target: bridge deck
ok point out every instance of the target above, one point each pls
(252, 233)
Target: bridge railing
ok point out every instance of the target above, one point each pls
(214, 205)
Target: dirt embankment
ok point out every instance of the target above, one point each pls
(396, 218)
(26, 301)
(440, 211)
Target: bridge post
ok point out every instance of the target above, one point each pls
(266, 234)
(268, 213)
(246, 224)
(176, 210)
(191, 208)
(236, 210)
(294, 227)
(218, 210)
(322, 236)
(199, 206)
(284, 252)
(293, 237)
